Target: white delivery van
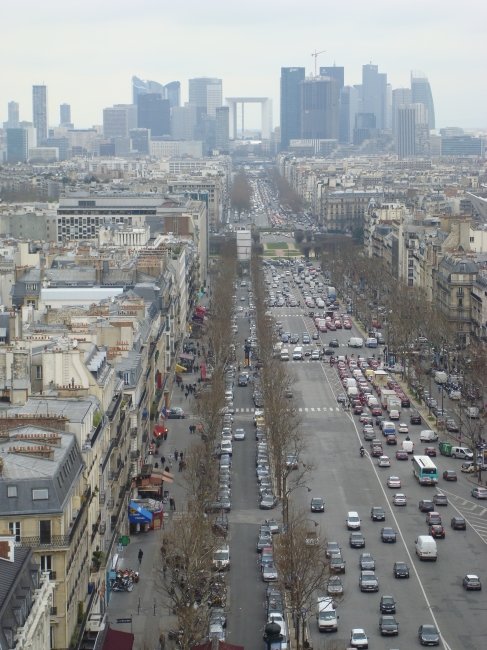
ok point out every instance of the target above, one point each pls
(350, 382)
(356, 342)
(352, 391)
(426, 548)
(408, 446)
(284, 354)
(427, 435)
(462, 452)
(298, 353)
(441, 377)
(326, 614)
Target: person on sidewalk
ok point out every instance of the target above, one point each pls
(140, 556)
(176, 454)
(172, 504)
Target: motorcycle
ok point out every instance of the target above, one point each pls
(362, 452)
(123, 584)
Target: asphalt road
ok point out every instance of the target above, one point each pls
(434, 591)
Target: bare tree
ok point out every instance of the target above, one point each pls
(241, 193)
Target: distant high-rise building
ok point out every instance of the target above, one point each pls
(222, 129)
(154, 113)
(365, 127)
(374, 94)
(406, 131)
(17, 145)
(206, 93)
(400, 97)
(183, 122)
(65, 115)
(421, 93)
(140, 141)
(142, 87)
(319, 108)
(116, 122)
(336, 72)
(39, 112)
(462, 145)
(13, 115)
(291, 79)
(173, 93)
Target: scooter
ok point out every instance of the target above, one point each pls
(362, 451)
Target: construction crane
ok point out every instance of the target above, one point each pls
(316, 54)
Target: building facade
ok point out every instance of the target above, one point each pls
(39, 112)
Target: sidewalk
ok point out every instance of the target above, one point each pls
(142, 610)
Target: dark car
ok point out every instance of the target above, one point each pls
(317, 504)
(428, 635)
(472, 582)
(450, 475)
(243, 379)
(334, 343)
(357, 540)
(388, 626)
(452, 426)
(175, 413)
(426, 505)
(401, 570)
(366, 562)
(458, 523)
(337, 564)
(401, 454)
(437, 531)
(387, 605)
(368, 581)
(377, 513)
(332, 548)
(440, 499)
(388, 535)
(415, 418)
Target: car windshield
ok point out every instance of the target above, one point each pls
(221, 555)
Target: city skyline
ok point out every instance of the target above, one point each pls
(245, 49)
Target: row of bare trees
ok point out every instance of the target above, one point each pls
(187, 584)
(418, 335)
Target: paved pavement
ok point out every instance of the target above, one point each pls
(143, 611)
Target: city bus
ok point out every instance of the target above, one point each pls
(425, 470)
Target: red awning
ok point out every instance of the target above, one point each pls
(117, 640)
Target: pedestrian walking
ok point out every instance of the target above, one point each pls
(165, 434)
(140, 556)
(162, 638)
(176, 454)
(163, 461)
(172, 504)
(180, 469)
(181, 455)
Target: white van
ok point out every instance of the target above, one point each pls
(462, 452)
(298, 353)
(426, 548)
(356, 342)
(326, 615)
(427, 435)
(284, 354)
(352, 391)
(349, 382)
(408, 446)
(441, 377)
(353, 520)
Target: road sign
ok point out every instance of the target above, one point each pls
(124, 620)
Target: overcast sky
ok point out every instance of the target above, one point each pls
(86, 51)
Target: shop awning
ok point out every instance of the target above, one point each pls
(166, 476)
(185, 356)
(118, 640)
(180, 368)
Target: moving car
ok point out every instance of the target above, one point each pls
(401, 570)
(426, 505)
(458, 523)
(428, 635)
(175, 413)
(394, 482)
(384, 461)
(450, 475)
(399, 499)
(387, 605)
(388, 626)
(317, 504)
(440, 499)
(388, 535)
(366, 562)
(357, 540)
(479, 492)
(437, 531)
(402, 454)
(239, 434)
(377, 513)
(358, 638)
(332, 548)
(368, 581)
(334, 585)
(471, 582)
(353, 520)
(337, 564)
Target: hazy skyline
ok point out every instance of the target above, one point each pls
(86, 52)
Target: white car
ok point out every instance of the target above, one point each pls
(455, 394)
(358, 638)
(239, 434)
(384, 461)
(394, 482)
(399, 499)
(226, 447)
(394, 414)
(403, 428)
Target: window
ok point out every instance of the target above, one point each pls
(38, 372)
(14, 529)
(40, 494)
(11, 490)
(45, 531)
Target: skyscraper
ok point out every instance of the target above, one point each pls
(39, 112)
(374, 94)
(421, 94)
(142, 87)
(222, 129)
(319, 108)
(65, 115)
(291, 79)
(206, 93)
(153, 112)
(13, 115)
(406, 131)
(17, 145)
(173, 93)
(116, 122)
(400, 97)
(336, 72)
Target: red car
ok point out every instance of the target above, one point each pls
(437, 531)
(358, 409)
(430, 451)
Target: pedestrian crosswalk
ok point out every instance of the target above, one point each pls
(302, 409)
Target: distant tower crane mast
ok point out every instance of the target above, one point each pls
(316, 54)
